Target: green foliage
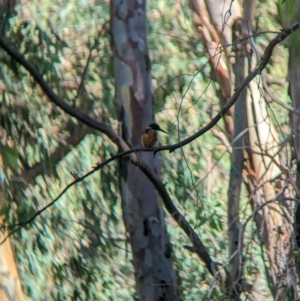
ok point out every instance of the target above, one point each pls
(77, 250)
(73, 250)
(286, 9)
(10, 154)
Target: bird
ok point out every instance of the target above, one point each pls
(149, 136)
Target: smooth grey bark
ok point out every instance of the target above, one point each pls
(236, 171)
(143, 215)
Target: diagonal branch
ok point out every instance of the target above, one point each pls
(86, 119)
(76, 137)
(231, 101)
(108, 131)
(198, 246)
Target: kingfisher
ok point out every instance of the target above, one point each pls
(149, 136)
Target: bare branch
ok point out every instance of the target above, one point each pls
(104, 128)
(32, 172)
(275, 81)
(275, 199)
(86, 119)
(276, 99)
(231, 101)
(198, 246)
(108, 131)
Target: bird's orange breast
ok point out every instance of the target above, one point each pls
(149, 138)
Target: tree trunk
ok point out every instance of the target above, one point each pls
(273, 220)
(294, 89)
(208, 20)
(294, 92)
(213, 21)
(143, 216)
(236, 171)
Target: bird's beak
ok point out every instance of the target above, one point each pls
(163, 131)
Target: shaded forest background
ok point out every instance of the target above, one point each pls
(78, 248)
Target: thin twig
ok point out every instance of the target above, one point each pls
(198, 246)
(104, 128)
(108, 131)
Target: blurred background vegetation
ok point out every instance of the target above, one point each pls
(77, 249)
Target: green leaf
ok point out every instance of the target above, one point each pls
(11, 155)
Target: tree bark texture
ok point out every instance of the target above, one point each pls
(273, 221)
(263, 177)
(294, 92)
(236, 171)
(208, 21)
(143, 215)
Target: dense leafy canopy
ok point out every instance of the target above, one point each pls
(77, 249)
